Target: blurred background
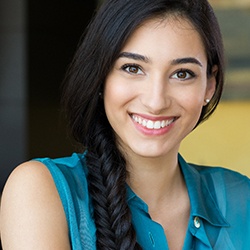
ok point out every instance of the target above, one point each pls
(37, 42)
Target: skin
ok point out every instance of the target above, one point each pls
(159, 75)
(32, 215)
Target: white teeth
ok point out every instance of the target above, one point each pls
(163, 124)
(157, 125)
(152, 124)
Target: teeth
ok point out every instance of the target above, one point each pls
(163, 124)
(152, 124)
(157, 125)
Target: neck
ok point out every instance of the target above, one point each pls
(155, 180)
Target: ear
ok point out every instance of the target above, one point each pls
(211, 85)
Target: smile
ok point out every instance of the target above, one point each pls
(149, 124)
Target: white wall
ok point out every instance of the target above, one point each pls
(13, 111)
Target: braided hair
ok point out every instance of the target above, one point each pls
(107, 186)
(105, 36)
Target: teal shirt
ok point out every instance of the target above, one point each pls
(219, 198)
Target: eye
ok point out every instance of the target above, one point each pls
(132, 69)
(183, 74)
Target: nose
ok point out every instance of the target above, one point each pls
(156, 96)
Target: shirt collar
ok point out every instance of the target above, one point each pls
(137, 201)
(202, 202)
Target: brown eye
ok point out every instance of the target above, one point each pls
(132, 69)
(182, 75)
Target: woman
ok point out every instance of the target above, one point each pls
(146, 74)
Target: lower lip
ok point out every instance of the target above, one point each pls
(153, 132)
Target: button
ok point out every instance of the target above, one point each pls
(197, 222)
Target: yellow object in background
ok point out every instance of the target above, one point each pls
(222, 140)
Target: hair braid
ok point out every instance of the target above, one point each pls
(107, 186)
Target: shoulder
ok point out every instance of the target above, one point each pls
(27, 182)
(214, 176)
(70, 177)
(31, 210)
(231, 194)
(225, 185)
(74, 165)
(27, 179)
(223, 175)
(28, 173)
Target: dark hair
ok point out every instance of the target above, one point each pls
(106, 35)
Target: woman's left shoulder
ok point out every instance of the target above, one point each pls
(224, 178)
(225, 173)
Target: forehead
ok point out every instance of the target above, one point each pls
(172, 33)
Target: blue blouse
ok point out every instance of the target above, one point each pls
(219, 198)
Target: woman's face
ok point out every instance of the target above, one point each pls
(156, 89)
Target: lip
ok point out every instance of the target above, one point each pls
(152, 125)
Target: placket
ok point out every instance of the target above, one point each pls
(200, 240)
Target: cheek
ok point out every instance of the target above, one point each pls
(117, 92)
(193, 96)
(114, 98)
(193, 100)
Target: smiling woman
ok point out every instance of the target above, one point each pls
(146, 74)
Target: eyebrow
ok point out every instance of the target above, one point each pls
(134, 56)
(177, 61)
(186, 60)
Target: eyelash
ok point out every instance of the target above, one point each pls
(126, 66)
(186, 71)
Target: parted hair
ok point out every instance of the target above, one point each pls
(104, 38)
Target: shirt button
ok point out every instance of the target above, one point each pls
(197, 222)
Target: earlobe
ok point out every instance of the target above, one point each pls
(211, 85)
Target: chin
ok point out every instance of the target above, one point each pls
(149, 152)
